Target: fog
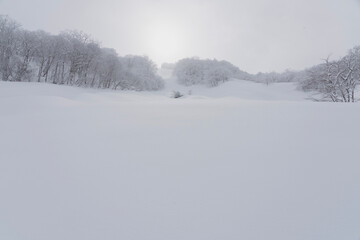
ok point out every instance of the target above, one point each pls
(254, 35)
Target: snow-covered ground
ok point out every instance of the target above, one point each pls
(241, 161)
(245, 90)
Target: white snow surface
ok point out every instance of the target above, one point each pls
(241, 161)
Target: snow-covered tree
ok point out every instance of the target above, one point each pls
(9, 30)
(140, 73)
(71, 58)
(335, 80)
(192, 71)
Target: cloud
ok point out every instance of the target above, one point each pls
(255, 35)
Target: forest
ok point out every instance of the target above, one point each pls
(70, 58)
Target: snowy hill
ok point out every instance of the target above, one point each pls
(235, 88)
(244, 90)
(241, 161)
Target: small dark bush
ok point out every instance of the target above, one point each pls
(176, 94)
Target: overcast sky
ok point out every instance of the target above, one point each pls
(262, 35)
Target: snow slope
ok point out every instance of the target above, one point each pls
(237, 88)
(244, 90)
(244, 161)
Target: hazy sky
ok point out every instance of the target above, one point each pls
(261, 35)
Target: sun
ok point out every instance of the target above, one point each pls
(165, 42)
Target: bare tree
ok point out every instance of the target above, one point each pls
(337, 81)
(8, 46)
(28, 47)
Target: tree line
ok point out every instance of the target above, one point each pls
(193, 71)
(332, 80)
(71, 58)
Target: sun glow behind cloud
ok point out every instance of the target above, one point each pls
(164, 41)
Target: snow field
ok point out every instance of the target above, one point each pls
(237, 162)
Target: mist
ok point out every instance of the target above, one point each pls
(257, 36)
